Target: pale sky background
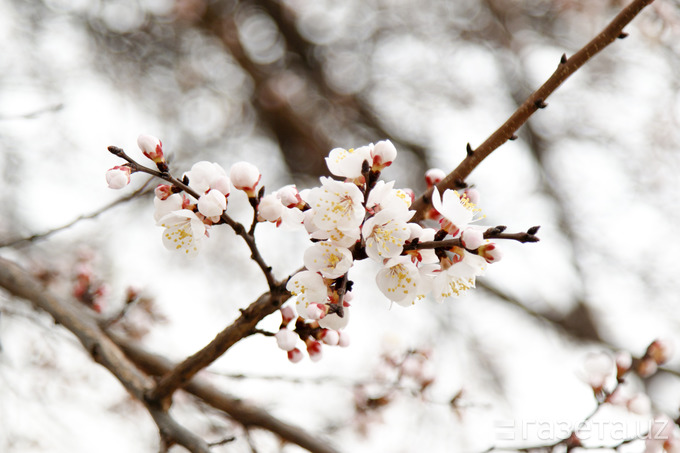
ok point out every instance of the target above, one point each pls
(613, 159)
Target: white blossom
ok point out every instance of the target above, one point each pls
(204, 176)
(328, 259)
(184, 231)
(212, 204)
(347, 163)
(457, 211)
(400, 281)
(334, 321)
(385, 196)
(457, 276)
(310, 290)
(336, 205)
(166, 206)
(385, 233)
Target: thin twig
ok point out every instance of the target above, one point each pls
(39, 236)
(565, 68)
(236, 226)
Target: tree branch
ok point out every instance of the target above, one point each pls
(565, 68)
(244, 326)
(244, 413)
(20, 283)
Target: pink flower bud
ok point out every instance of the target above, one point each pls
(660, 351)
(163, 191)
(245, 176)
(316, 311)
(330, 337)
(647, 367)
(289, 196)
(314, 350)
(151, 147)
(434, 176)
(490, 252)
(295, 355)
(286, 339)
(288, 314)
(472, 238)
(383, 154)
(118, 177)
(623, 363)
(343, 342)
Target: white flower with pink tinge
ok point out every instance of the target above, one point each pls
(348, 163)
(328, 259)
(400, 280)
(204, 176)
(455, 277)
(456, 211)
(336, 205)
(118, 177)
(311, 293)
(385, 233)
(151, 147)
(184, 231)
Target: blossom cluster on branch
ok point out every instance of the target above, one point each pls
(352, 217)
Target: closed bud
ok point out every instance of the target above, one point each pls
(330, 337)
(288, 314)
(245, 176)
(163, 191)
(151, 147)
(660, 351)
(344, 340)
(472, 238)
(295, 355)
(286, 339)
(314, 350)
(434, 176)
(383, 154)
(490, 252)
(118, 177)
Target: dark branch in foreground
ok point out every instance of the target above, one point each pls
(507, 131)
(244, 413)
(20, 283)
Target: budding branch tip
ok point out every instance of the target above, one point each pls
(622, 35)
(115, 150)
(469, 150)
(513, 137)
(563, 60)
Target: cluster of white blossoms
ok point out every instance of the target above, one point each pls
(361, 216)
(354, 217)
